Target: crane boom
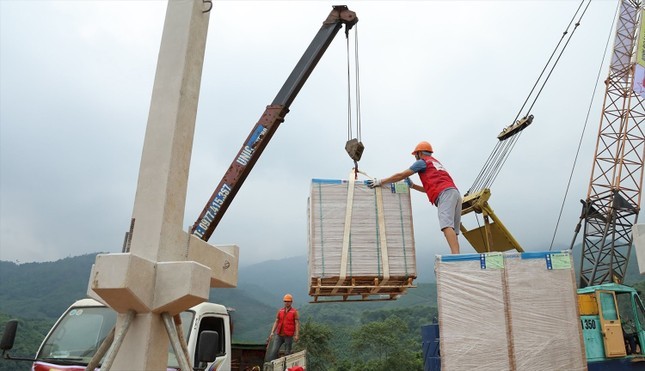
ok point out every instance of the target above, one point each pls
(272, 117)
(613, 199)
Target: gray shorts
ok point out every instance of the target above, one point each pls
(449, 208)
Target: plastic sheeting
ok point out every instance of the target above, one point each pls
(365, 246)
(511, 311)
(361, 240)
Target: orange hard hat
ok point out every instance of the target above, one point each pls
(287, 297)
(422, 146)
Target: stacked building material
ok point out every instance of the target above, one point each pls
(361, 240)
(472, 316)
(511, 311)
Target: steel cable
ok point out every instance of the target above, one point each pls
(503, 147)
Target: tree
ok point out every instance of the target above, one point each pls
(316, 338)
(385, 345)
(377, 339)
(29, 335)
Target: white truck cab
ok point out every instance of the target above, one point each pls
(78, 333)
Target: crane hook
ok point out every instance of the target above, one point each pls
(210, 6)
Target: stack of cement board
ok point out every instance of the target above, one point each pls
(361, 241)
(511, 311)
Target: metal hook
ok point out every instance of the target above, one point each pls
(210, 6)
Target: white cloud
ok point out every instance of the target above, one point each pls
(76, 79)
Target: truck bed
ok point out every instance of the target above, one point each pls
(286, 362)
(245, 356)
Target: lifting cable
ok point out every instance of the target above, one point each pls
(354, 146)
(584, 128)
(509, 136)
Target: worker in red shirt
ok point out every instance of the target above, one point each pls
(285, 330)
(439, 187)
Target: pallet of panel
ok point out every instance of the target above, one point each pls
(363, 288)
(361, 241)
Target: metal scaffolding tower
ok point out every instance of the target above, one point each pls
(614, 194)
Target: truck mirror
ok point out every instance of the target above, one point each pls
(208, 346)
(9, 335)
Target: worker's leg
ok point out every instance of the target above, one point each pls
(633, 338)
(451, 237)
(269, 356)
(449, 211)
(274, 348)
(288, 342)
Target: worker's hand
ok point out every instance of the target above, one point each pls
(408, 181)
(296, 337)
(373, 183)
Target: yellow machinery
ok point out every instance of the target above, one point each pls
(493, 235)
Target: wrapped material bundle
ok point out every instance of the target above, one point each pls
(543, 304)
(472, 318)
(511, 311)
(361, 240)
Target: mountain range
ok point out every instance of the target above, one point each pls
(43, 291)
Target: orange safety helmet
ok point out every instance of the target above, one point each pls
(287, 297)
(422, 146)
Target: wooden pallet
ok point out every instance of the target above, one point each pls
(363, 288)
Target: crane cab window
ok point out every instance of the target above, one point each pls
(608, 306)
(625, 308)
(631, 311)
(640, 311)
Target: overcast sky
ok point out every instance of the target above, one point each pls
(75, 87)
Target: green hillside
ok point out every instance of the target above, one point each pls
(37, 293)
(43, 290)
(53, 286)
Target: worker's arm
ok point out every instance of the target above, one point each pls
(275, 323)
(395, 178)
(416, 187)
(296, 335)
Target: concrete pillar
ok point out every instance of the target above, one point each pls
(166, 269)
(163, 176)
